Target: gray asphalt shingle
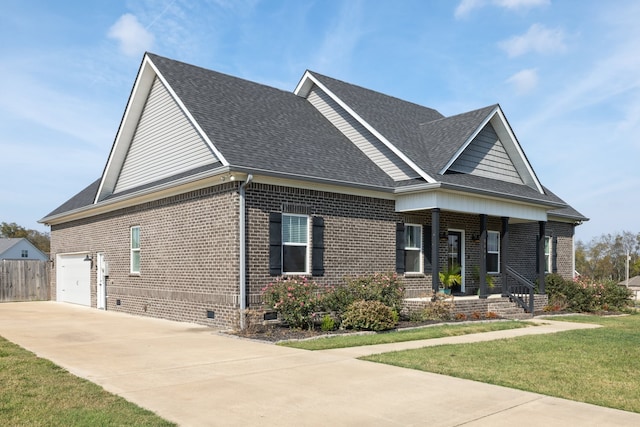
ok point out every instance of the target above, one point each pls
(264, 129)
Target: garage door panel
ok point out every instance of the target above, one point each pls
(74, 279)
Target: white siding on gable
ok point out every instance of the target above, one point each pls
(371, 146)
(165, 143)
(487, 157)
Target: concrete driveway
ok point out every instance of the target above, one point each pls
(193, 376)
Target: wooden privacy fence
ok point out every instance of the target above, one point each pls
(24, 280)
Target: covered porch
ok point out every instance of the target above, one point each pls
(474, 234)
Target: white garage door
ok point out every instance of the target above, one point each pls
(74, 279)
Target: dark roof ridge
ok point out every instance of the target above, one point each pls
(487, 107)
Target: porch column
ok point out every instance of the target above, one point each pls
(435, 249)
(541, 265)
(483, 256)
(504, 254)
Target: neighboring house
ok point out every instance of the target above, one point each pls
(216, 186)
(20, 249)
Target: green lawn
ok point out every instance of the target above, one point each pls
(36, 392)
(599, 366)
(425, 333)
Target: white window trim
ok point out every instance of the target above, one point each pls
(307, 260)
(420, 249)
(134, 250)
(548, 263)
(494, 252)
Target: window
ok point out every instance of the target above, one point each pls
(295, 247)
(493, 252)
(547, 254)
(25, 253)
(135, 250)
(412, 248)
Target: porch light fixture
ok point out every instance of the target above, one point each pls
(444, 235)
(475, 237)
(90, 259)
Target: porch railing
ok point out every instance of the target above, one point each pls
(522, 292)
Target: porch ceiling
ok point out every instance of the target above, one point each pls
(472, 204)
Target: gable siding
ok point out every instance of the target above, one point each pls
(487, 157)
(165, 143)
(360, 136)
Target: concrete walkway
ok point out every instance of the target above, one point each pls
(195, 377)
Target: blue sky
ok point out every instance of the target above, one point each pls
(566, 73)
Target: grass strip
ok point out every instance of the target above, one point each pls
(423, 333)
(36, 392)
(598, 366)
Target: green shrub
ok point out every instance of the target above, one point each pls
(440, 308)
(582, 295)
(370, 316)
(295, 299)
(382, 287)
(327, 324)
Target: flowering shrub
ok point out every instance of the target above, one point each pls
(295, 299)
(382, 287)
(369, 315)
(440, 308)
(582, 295)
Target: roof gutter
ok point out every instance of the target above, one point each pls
(201, 180)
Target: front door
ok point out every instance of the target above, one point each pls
(455, 255)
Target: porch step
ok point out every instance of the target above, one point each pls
(508, 310)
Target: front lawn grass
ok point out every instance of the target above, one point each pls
(425, 333)
(598, 366)
(36, 392)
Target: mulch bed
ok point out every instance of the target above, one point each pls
(276, 333)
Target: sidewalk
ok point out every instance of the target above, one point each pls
(543, 327)
(193, 376)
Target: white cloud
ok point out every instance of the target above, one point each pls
(521, 4)
(133, 37)
(465, 7)
(342, 38)
(537, 39)
(524, 81)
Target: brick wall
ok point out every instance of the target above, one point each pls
(189, 255)
(190, 250)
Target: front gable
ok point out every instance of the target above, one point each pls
(492, 151)
(157, 138)
(165, 143)
(487, 157)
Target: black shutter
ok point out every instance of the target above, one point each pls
(317, 253)
(400, 248)
(275, 243)
(426, 247)
(537, 255)
(554, 260)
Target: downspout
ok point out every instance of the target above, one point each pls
(243, 252)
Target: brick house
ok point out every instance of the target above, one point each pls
(216, 185)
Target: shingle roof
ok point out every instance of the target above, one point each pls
(80, 200)
(262, 128)
(445, 136)
(8, 243)
(267, 130)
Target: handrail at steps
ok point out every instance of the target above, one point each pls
(523, 292)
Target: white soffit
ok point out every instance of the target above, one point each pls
(471, 204)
